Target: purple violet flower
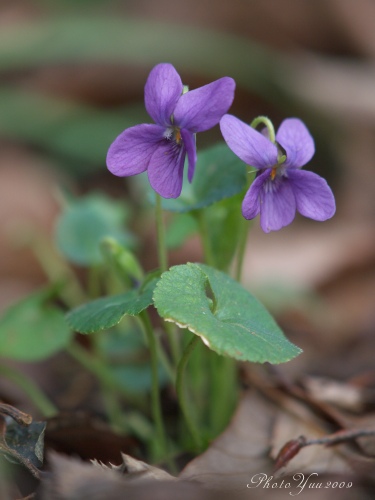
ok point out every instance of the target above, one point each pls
(280, 187)
(161, 148)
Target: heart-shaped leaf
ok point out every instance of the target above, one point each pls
(227, 317)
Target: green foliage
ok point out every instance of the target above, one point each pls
(181, 228)
(223, 225)
(219, 174)
(227, 317)
(85, 222)
(32, 330)
(106, 312)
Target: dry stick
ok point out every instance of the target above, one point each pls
(292, 447)
(340, 437)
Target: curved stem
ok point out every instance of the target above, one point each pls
(267, 122)
(38, 398)
(181, 393)
(155, 390)
(162, 247)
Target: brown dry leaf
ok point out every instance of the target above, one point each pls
(240, 452)
(137, 471)
(71, 479)
(341, 394)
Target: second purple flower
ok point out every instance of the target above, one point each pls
(281, 187)
(161, 148)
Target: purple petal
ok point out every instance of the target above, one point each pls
(166, 168)
(248, 144)
(313, 195)
(162, 92)
(202, 108)
(189, 143)
(251, 202)
(277, 204)
(131, 151)
(297, 142)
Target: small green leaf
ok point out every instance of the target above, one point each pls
(219, 174)
(32, 330)
(84, 223)
(227, 317)
(106, 312)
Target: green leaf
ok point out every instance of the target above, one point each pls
(219, 174)
(84, 223)
(106, 312)
(227, 317)
(32, 330)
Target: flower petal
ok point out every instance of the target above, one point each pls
(313, 195)
(202, 108)
(189, 143)
(277, 204)
(251, 202)
(294, 137)
(166, 168)
(130, 152)
(248, 144)
(162, 92)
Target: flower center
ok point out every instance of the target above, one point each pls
(173, 133)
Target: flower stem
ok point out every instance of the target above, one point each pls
(181, 393)
(38, 398)
(155, 392)
(241, 249)
(267, 122)
(162, 247)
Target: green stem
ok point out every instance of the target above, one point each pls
(181, 393)
(163, 264)
(267, 122)
(161, 354)
(38, 398)
(162, 247)
(173, 341)
(241, 248)
(155, 389)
